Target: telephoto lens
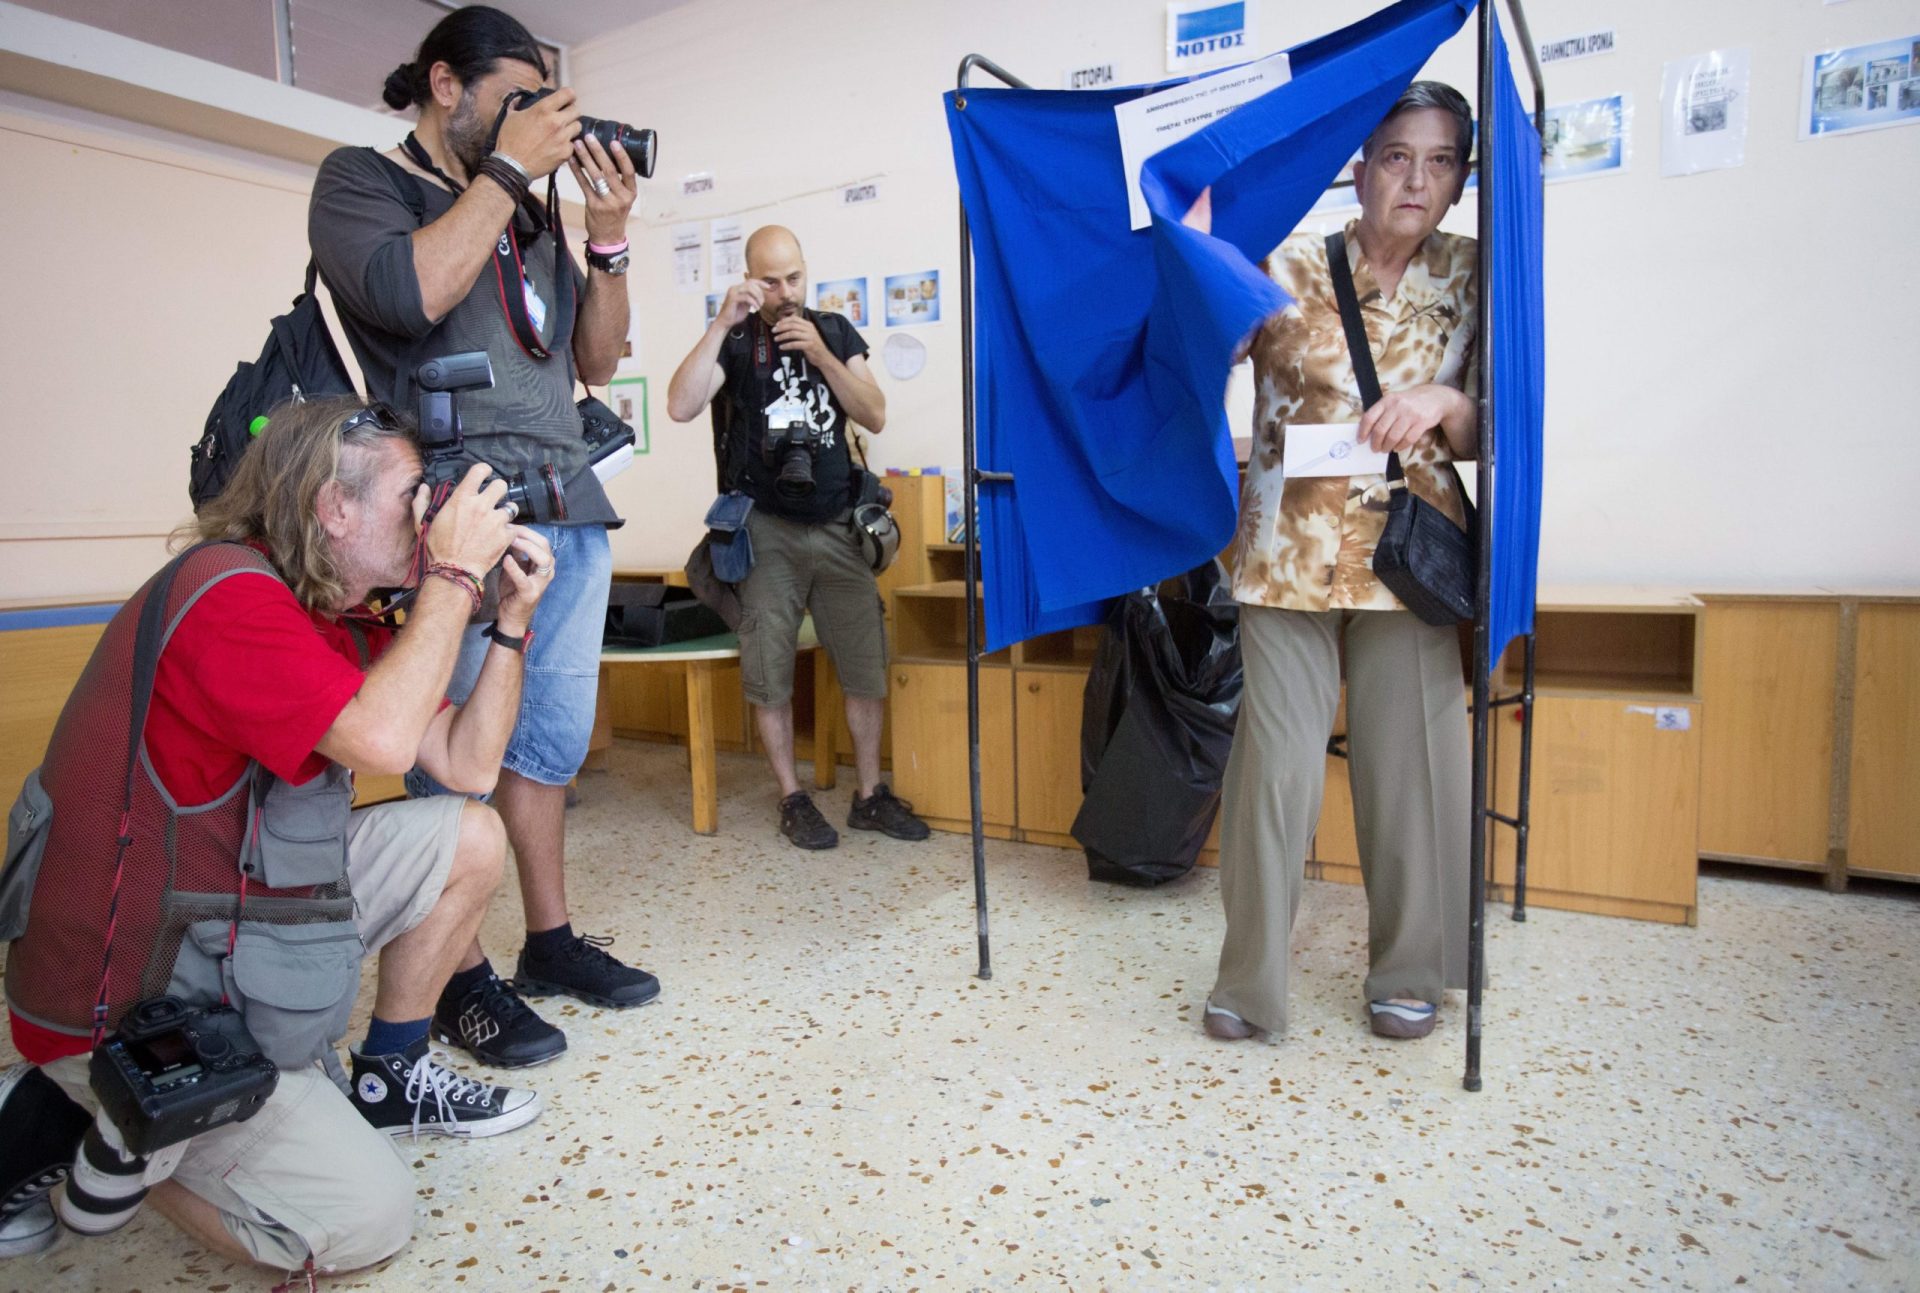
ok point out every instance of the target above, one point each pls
(108, 1184)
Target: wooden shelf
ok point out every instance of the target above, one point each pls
(1644, 649)
(1070, 650)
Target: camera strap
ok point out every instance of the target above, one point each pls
(509, 272)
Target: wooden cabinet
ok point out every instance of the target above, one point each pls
(1617, 736)
(1810, 759)
(930, 765)
(1047, 705)
(1883, 819)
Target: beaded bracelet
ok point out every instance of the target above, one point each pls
(463, 578)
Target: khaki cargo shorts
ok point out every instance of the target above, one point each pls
(799, 568)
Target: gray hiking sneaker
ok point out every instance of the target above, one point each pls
(881, 811)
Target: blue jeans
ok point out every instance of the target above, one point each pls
(562, 679)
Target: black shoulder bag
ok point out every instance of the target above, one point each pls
(1423, 558)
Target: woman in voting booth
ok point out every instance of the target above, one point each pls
(1302, 569)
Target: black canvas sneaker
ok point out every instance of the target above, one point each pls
(881, 811)
(43, 1128)
(409, 1093)
(493, 1025)
(802, 823)
(585, 969)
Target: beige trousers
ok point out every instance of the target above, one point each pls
(1410, 762)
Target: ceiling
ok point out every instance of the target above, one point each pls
(574, 22)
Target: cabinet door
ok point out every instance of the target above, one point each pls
(1767, 681)
(1616, 805)
(1883, 832)
(1047, 705)
(930, 742)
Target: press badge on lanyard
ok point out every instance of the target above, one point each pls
(536, 308)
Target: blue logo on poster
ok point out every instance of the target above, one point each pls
(1205, 31)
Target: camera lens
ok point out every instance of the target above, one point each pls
(796, 473)
(104, 1189)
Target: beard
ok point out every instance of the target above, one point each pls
(467, 137)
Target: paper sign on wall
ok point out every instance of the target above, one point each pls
(1094, 76)
(695, 184)
(1865, 87)
(686, 257)
(729, 252)
(853, 195)
(913, 298)
(1589, 138)
(1204, 33)
(1703, 112)
(1160, 120)
(846, 296)
(1572, 47)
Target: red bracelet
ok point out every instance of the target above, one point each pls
(461, 577)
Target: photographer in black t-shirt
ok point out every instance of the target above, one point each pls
(785, 382)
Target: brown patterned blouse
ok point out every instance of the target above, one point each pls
(1307, 545)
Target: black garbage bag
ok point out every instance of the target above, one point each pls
(1156, 727)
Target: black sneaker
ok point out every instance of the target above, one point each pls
(802, 823)
(409, 1093)
(43, 1130)
(881, 811)
(587, 971)
(493, 1025)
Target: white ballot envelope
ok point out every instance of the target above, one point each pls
(1329, 449)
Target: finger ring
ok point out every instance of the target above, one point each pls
(543, 570)
(601, 187)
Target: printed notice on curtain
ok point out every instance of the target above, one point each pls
(1161, 120)
(1703, 112)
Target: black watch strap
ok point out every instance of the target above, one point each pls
(511, 643)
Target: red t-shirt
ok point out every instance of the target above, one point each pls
(248, 674)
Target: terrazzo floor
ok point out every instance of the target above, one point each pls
(826, 1097)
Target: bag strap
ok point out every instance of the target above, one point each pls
(507, 266)
(1359, 349)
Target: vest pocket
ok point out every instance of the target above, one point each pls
(294, 985)
(28, 823)
(303, 831)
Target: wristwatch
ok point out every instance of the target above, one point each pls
(615, 265)
(519, 644)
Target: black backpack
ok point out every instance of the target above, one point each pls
(298, 362)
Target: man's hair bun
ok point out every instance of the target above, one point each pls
(402, 84)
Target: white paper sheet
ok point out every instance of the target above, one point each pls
(729, 252)
(1703, 112)
(1156, 121)
(686, 257)
(1329, 449)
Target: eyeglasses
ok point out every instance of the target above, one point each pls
(1398, 161)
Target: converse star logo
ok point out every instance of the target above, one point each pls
(372, 1089)
(477, 1026)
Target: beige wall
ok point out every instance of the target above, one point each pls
(1726, 351)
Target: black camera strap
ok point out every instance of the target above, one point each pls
(508, 269)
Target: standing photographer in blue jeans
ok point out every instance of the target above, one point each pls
(436, 248)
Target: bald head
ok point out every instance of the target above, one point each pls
(770, 243)
(773, 261)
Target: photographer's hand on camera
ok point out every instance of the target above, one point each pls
(471, 530)
(540, 135)
(606, 212)
(524, 577)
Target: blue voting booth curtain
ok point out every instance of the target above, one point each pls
(1519, 352)
(1103, 352)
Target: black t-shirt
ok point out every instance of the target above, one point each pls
(759, 375)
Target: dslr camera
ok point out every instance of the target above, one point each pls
(166, 1075)
(792, 442)
(539, 495)
(640, 145)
